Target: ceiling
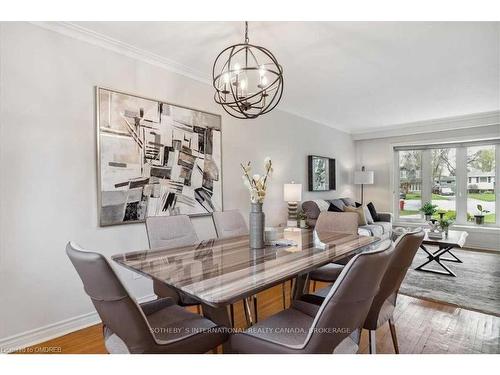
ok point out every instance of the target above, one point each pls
(354, 76)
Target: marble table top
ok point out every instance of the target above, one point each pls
(222, 271)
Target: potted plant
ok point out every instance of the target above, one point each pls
(302, 219)
(480, 218)
(428, 209)
(441, 214)
(445, 224)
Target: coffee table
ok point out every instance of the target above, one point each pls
(455, 239)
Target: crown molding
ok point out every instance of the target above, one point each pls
(431, 126)
(83, 34)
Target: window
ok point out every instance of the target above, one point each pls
(444, 182)
(410, 184)
(481, 163)
(459, 179)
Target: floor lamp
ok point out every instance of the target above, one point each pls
(292, 194)
(362, 178)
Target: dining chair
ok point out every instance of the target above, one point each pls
(167, 232)
(229, 224)
(232, 224)
(344, 222)
(384, 303)
(159, 326)
(332, 327)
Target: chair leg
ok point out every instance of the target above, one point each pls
(231, 313)
(314, 286)
(255, 308)
(198, 309)
(248, 312)
(392, 327)
(372, 341)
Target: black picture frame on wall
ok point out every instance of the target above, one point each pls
(321, 173)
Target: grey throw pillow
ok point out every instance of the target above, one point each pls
(349, 202)
(339, 203)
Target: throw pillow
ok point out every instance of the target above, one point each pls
(361, 214)
(339, 203)
(373, 211)
(334, 208)
(348, 202)
(322, 204)
(368, 215)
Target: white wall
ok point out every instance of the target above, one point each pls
(48, 191)
(377, 155)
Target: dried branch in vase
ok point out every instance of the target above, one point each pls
(257, 184)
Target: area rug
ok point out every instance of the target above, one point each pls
(476, 287)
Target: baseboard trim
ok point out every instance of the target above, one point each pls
(51, 331)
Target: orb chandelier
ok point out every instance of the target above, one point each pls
(248, 80)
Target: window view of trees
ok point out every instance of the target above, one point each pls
(444, 182)
(410, 184)
(479, 174)
(481, 182)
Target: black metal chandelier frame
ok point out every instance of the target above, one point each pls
(254, 104)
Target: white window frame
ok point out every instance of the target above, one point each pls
(461, 178)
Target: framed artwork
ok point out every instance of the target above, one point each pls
(155, 159)
(321, 173)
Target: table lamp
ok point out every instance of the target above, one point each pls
(362, 178)
(292, 194)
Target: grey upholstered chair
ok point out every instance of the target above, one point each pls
(345, 222)
(384, 302)
(166, 232)
(232, 224)
(229, 224)
(158, 326)
(308, 328)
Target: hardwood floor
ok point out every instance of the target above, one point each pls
(422, 326)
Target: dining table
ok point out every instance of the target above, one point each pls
(219, 272)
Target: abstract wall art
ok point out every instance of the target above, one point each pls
(155, 159)
(321, 173)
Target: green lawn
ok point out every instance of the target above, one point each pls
(417, 196)
(486, 197)
(488, 218)
(409, 212)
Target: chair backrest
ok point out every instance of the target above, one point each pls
(346, 222)
(170, 231)
(166, 232)
(345, 307)
(229, 224)
(405, 249)
(117, 310)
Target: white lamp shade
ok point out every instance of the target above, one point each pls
(292, 192)
(363, 177)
